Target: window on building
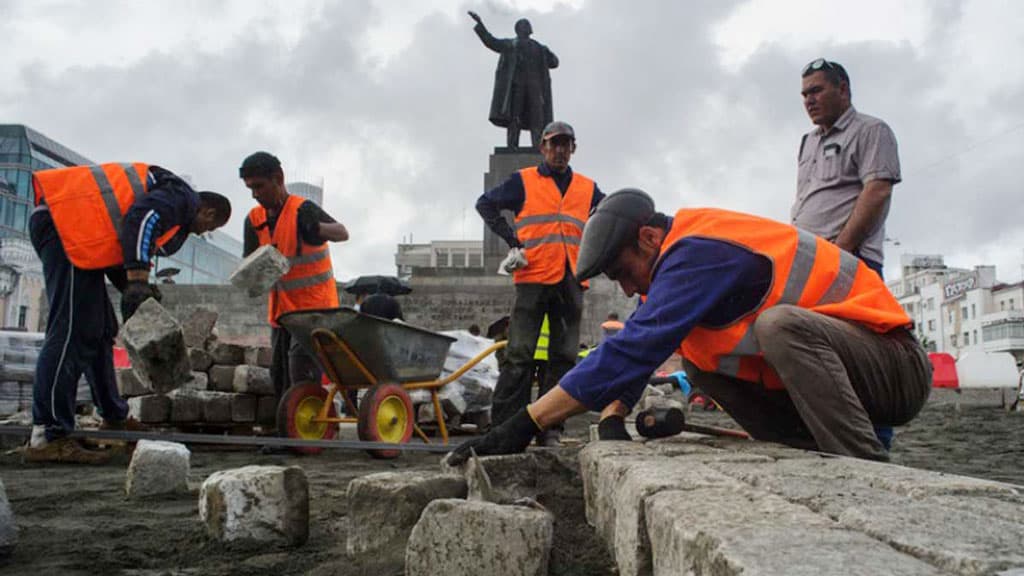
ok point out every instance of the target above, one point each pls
(950, 315)
(974, 337)
(22, 316)
(1002, 305)
(1011, 304)
(952, 341)
(967, 338)
(931, 303)
(931, 325)
(459, 259)
(963, 313)
(974, 312)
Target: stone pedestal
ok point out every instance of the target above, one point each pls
(503, 162)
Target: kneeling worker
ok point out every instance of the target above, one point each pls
(91, 222)
(797, 340)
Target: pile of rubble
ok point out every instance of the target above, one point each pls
(19, 352)
(184, 375)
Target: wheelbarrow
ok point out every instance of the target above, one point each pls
(361, 351)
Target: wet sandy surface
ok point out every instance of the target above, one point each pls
(75, 520)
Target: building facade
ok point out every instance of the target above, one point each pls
(307, 191)
(441, 258)
(208, 259)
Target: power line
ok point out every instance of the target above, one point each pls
(969, 148)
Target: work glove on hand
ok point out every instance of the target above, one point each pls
(613, 428)
(135, 293)
(515, 260)
(509, 437)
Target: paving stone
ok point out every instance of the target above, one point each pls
(222, 378)
(266, 410)
(156, 347)
(199, 359)
(151, 409)
(252, 380)
(156, 468)
(198, 327)
(257, 504)
(258, 272)
(466, 537)
(259, 356)
(226, 353)
(951, 538)
(724, 531)
(186, 406)
(641, 480)
(243, 408)
(216, 406)
(512, 476)
(199, 381)
(8, 527)
(391, 502)
(601, 466)
(129, 384)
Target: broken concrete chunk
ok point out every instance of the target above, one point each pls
(470, 537)
(259, 356)
(258, 273)
(198, 327)
(157, 468)
(406, 494)
(226, 353)
(253, 380)
(243, 408)
(8, 529)
(153, 408)
(156, 347)
(222, 378)
(256, 503)
(512, 476)
(185, 406)
(199, 359)
(129, 384)
(199, 381)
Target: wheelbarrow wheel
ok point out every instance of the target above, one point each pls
(385, 415)
(295, 413)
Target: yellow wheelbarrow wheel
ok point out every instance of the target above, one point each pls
(385, 415)
(297, 411)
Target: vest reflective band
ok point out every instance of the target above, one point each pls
(550, 225)
(541, 353)
(87, 204)
(309, 284)
(807, 271)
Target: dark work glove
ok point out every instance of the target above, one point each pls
(613, 428)
(509, 437)
(135, 293)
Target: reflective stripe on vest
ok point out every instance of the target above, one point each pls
(309, 283)
(541, 352)
(550, 225)
(807, 271)
(88, 203)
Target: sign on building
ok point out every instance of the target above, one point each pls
(957, 288)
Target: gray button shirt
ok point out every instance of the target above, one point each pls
(833, 168)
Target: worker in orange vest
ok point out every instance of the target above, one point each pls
(799, 341)
(92, 222)
(551, 204)
(300, 230)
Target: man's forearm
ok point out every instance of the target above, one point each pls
(333, 232)
(555, 407)
(867, 212)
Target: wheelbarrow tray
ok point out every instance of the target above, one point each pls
(390, 351)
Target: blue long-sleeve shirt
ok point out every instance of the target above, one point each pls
(169, 202)
(700, 281)
(511, 195)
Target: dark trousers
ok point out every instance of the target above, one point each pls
(563, 303)
(291, 364)
(80, 331)
(527, 108)
(841, 380)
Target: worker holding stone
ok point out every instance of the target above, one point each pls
(799, 341)
(551, 204)
(300, 230)
(92, 222)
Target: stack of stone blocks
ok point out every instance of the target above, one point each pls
(217, 383)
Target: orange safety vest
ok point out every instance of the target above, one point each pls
(807, 271)
(87, 204)
(550, 225)
(309, 284)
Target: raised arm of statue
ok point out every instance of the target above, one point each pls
(497, 44)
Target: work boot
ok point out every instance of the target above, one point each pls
(129, 424)
(549, 438)
(66, 450)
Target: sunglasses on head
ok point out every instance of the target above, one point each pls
(822, 64)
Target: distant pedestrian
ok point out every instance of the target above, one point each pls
(611, 326)
(474, 329)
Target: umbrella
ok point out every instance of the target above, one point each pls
(373, 284)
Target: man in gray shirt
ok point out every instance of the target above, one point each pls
(847, 167)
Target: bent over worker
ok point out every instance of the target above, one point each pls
(300, 230)
(551, 204)
(799, 341)
(92, 222)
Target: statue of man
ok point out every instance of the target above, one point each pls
(522, 83)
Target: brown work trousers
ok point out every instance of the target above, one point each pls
(840, 378)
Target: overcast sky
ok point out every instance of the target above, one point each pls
(386, 101)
